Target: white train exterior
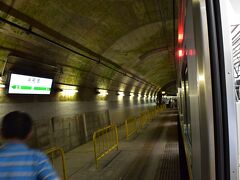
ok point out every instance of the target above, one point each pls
(208, 87)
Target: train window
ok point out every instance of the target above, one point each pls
(186, 107)
(236, 58)
(237, 91)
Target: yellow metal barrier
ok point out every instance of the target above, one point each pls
(131, 127)
(104, 140)
(52, 152)
(134, 124)
(144, 119)
(163, 106)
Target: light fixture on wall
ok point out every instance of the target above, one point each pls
(121, 94)
(146, 96)
(69, 92)
(2, 85)
(131, 94)
(139, 96)
(102, 92)
(201, 77)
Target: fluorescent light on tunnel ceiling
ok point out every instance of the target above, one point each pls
(131, 94)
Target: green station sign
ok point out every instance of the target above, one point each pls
(30, 88)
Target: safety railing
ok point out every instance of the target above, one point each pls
(144, 119)
(131, 127)
(162, 107)
(105, 140)
(52, 153)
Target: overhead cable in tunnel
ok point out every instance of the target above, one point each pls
(92, 74)
(29, 31)
(54, 68)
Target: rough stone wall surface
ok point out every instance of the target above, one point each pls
(70, 124)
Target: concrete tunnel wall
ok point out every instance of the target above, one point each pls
(70, 123)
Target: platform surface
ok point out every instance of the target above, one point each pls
(152, 154)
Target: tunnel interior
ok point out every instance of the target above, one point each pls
(123, 48)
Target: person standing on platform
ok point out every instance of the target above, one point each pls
(17, 160)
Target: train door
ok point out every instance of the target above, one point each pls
(224, 37)
(230, 20)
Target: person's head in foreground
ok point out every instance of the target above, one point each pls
(17, 159)
(16, 126)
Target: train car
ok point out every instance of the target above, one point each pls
(208, 87)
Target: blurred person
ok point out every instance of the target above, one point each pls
(17, 160)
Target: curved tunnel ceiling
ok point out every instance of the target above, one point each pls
(130, 36)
